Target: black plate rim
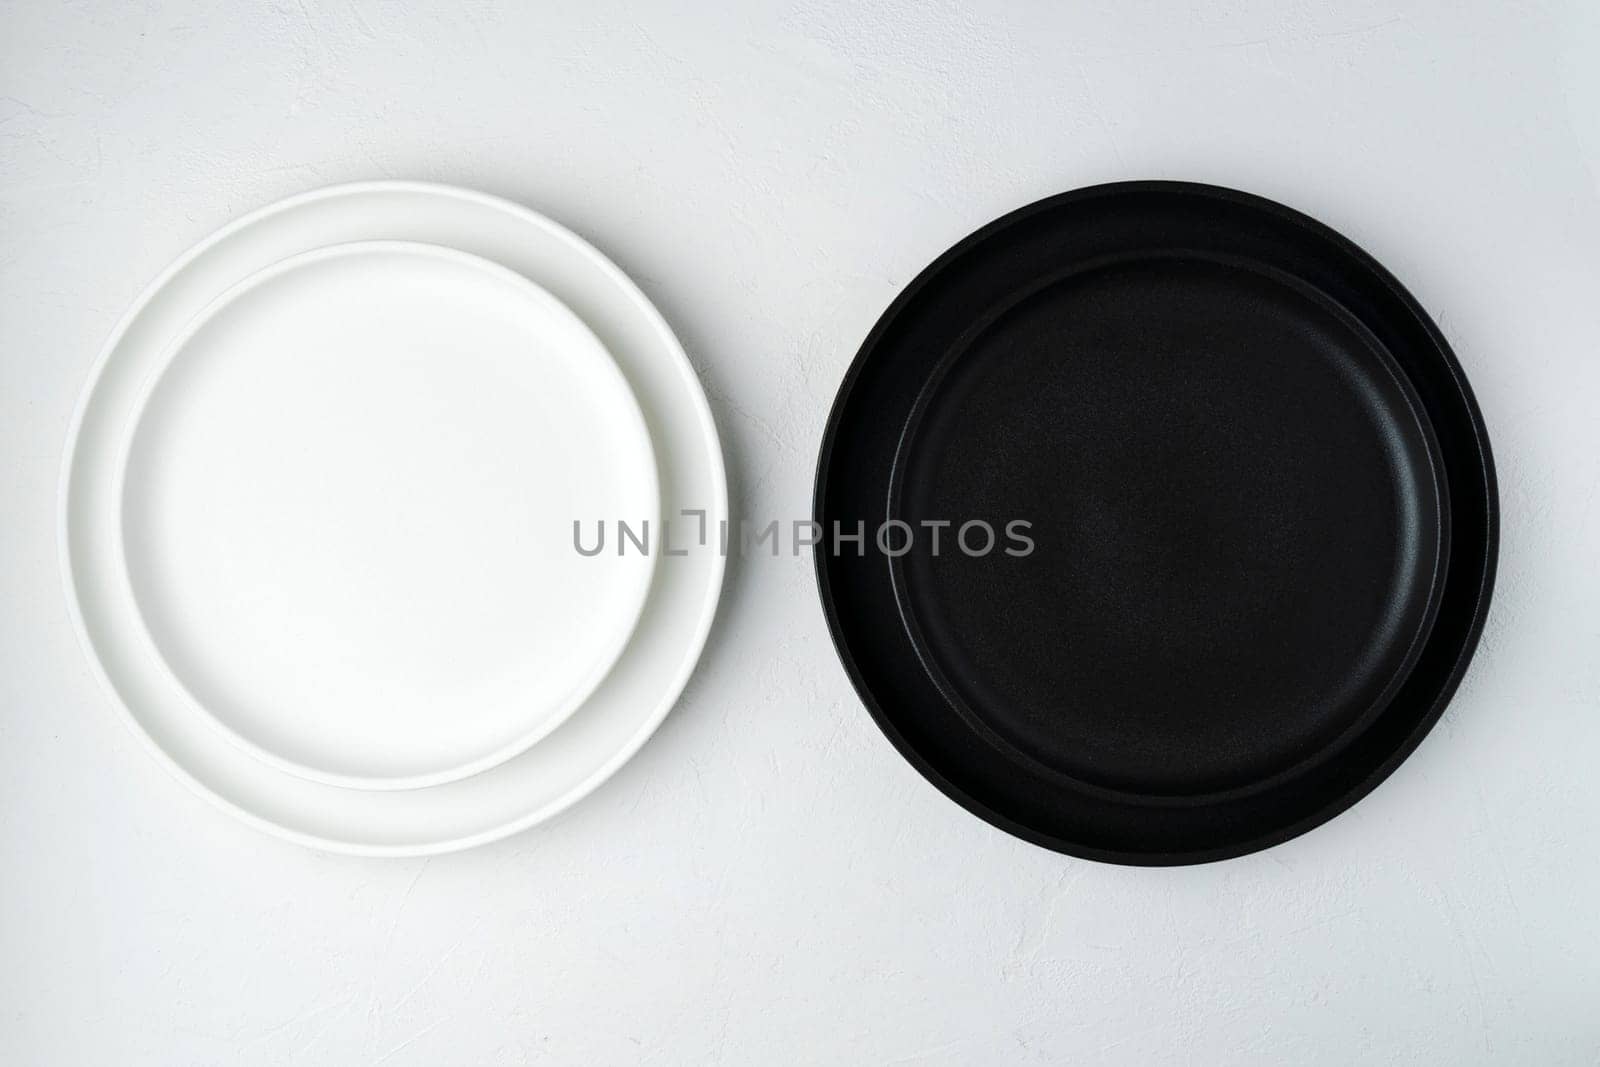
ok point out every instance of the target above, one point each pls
(1480, 597)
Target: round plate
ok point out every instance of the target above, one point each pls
(634, 695)
(1217, 515)
(347, 506)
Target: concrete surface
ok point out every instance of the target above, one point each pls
(768, 882)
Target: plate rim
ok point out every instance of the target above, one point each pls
(708, 599)
(1482, 594)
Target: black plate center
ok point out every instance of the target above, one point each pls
(1235, 520)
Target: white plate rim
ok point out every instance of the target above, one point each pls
(717, 505)
(140, 405)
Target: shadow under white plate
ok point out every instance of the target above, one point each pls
(535, 783)
(347, 513)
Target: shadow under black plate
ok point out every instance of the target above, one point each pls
(1260, 514)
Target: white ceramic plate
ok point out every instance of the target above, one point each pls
(347, 513)
(632, 697)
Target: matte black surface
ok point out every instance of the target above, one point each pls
(1261, 505)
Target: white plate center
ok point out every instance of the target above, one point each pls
(348, 513)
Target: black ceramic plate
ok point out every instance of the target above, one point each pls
(1179, 516)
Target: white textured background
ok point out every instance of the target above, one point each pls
(767, 881)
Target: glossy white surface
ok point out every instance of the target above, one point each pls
(347, 513)
(766, 881)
